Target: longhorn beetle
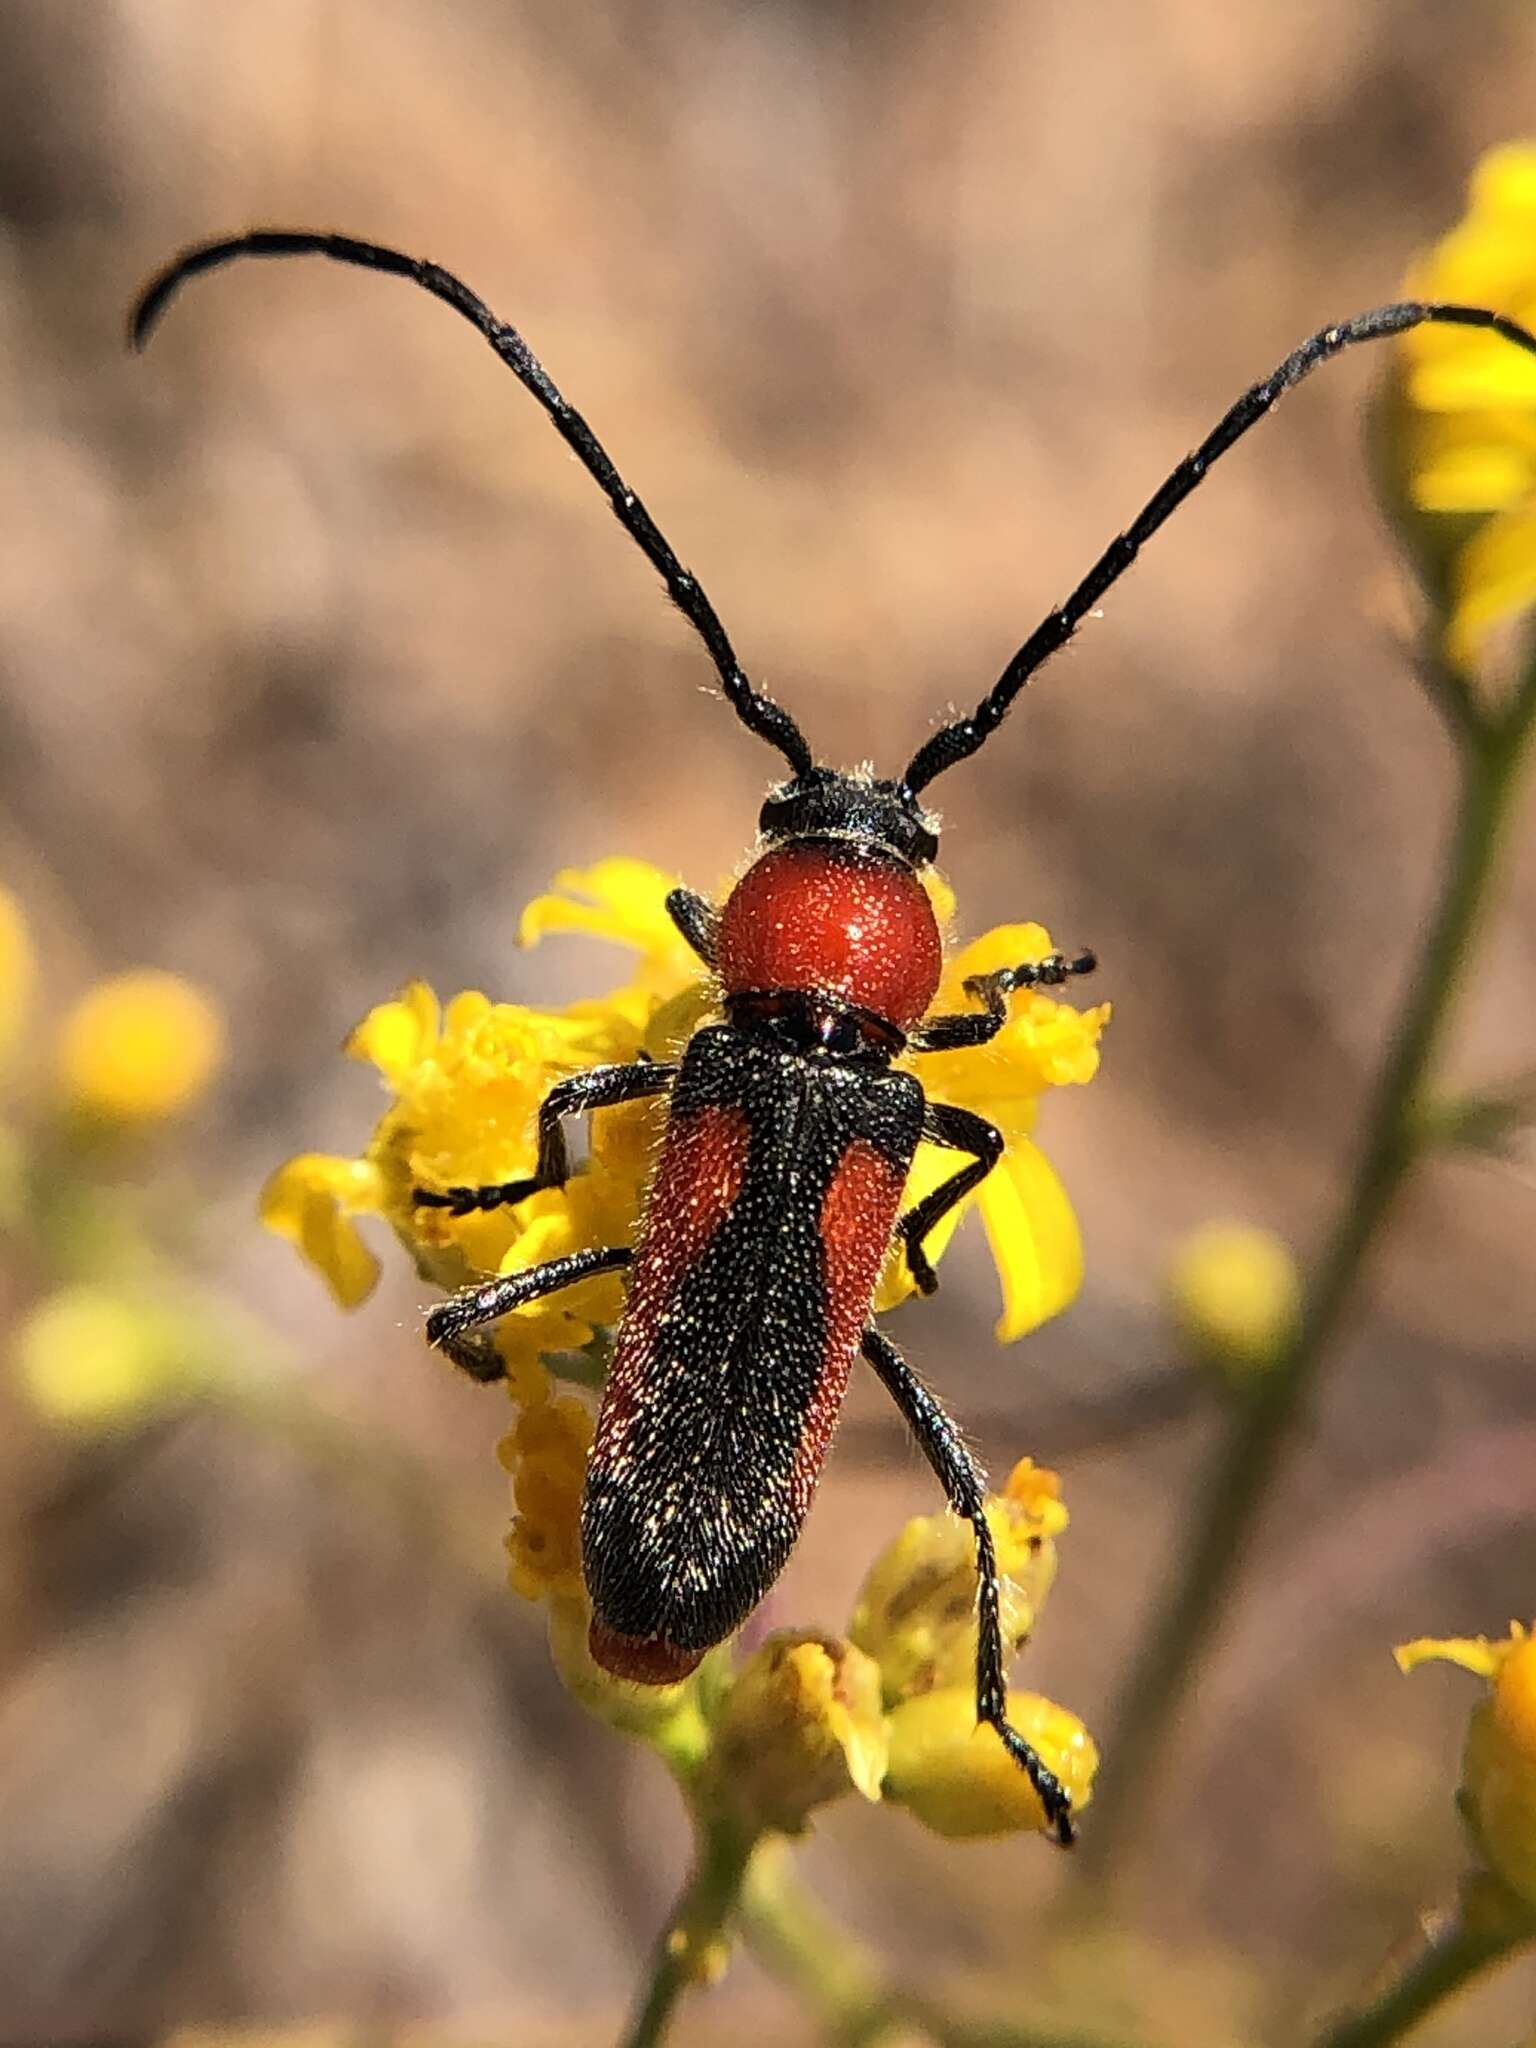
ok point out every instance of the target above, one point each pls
(789, 1130)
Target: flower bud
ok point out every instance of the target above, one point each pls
(801, 1725)
(1236, 1294)
(1498, 1774)
(958, 1779)
(916, 1612)
(666, 1716)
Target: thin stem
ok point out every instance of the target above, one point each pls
(1470, 1943)
(858, 2007)
(950, 2032)
(691, 1947)
(821, 1962)
(1238, 1486)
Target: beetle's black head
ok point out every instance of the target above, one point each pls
(829, 803)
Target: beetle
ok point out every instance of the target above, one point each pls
(790, 1129)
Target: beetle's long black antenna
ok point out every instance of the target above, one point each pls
(955, 742)
(756, 711)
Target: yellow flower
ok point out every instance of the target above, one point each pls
(18, 972)
(466, 1082)
(139, 1046)
(1236, 1293)
(88, 1356)
(1030, 1226)
(958, 1779)
(801, 1725)
(916, 1611)
(1498, 1786)
(1469, 430)
(546, 1454)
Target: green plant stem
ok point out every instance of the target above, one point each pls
(1470, 1943)
(824, 1965)
(1237, 1489)
(950, 2032)
(837, 1978)
(699, 1922)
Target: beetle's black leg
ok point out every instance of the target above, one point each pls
(962, 1131)
(975, 1027)
(965, 1487)
(452, 1327)
(694, 917)
(598, 1088)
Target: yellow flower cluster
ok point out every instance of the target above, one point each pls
(916, 1616)
(466, 1080)
(1236, 1293)
(1470, 425)
(1498, 1779)
(887, 1711)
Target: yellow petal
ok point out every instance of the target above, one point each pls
(1006, 945)
(1468, 462)
(396, 1036)
(139, 1046)
(1488, 373)
(1034, 1237)
(941, 896)
(1504, 182)
(619, 899)
(310, 1201)
(1473, 1653)
(1495, 580)
(930, 1169)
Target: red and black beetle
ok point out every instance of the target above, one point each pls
(789, 1130)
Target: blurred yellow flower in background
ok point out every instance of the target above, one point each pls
(92, 1355)
(18, 973)
(138, 1047)
(1470, 418)
(1498, 1779)
(1236, 1293)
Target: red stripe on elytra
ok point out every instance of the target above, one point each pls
(703, 1163)
(858, 1213)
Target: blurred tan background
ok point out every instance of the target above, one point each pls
(318, 656)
